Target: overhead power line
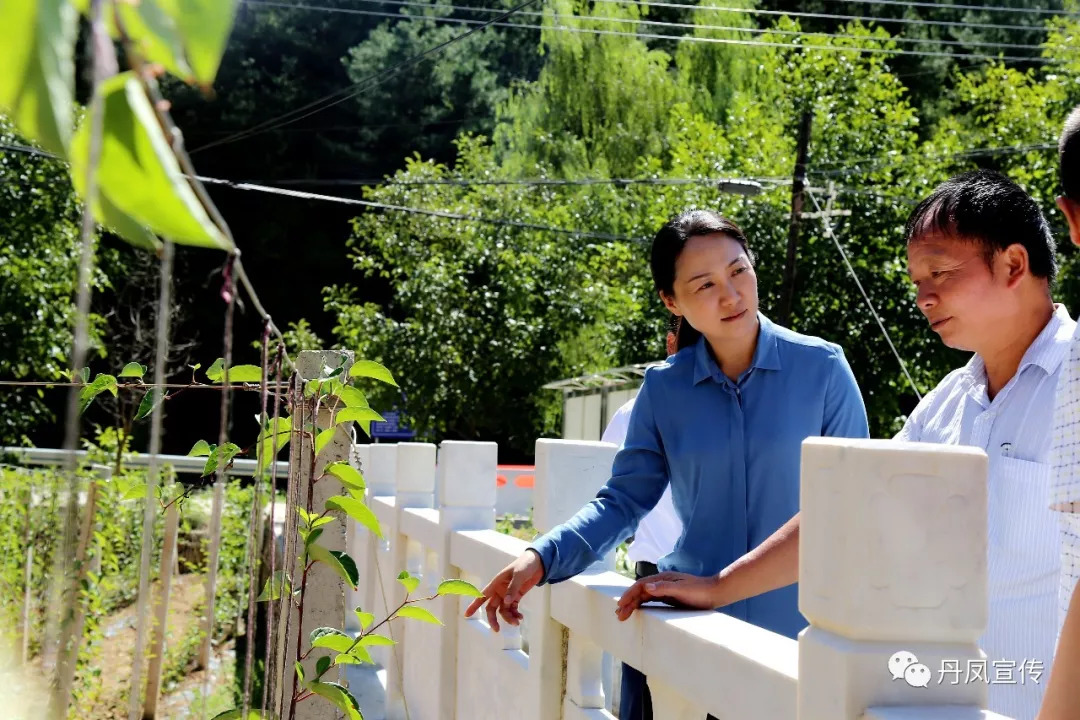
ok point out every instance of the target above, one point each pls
(652, 23)
(829, 16)
(596, 235)
(949, 6)
(339, 96)
(688, 38)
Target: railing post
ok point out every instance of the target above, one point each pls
(324, 601)
(892, 568)
(360, 545)
(568, 475)
(415, 488)
(465, 484)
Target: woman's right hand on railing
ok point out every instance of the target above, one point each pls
(507, 588)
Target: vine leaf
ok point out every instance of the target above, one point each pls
(322, 665)
(411, 582)
(205, 26)
(133, 369)
(154, 33)
(362, 416)
(339, 562)
(372, 369)
(339, 696)
(365, 618)
(102, 383)
(357, 510)
(138, 171)
(323, 438)
(349, 476)
(352, 397)
(355, 656)
(375, 639)
(274, 587)
(458, 587)
(38, 80)
(201, 448)
(146, 405)
(215, 372)
(418, 613)
(331, 639)
(220, 457)
(238, 373)
(237, 714)
(300, 672)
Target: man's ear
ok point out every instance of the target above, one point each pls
(1016, 263)
(1071, 209)
(669, 303)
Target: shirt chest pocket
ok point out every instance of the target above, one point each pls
(1024, 551)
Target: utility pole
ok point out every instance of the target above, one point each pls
(798, 185)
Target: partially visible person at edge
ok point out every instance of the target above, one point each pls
(654, 538)
(722, 421)
(981, 256)
(1062, 699)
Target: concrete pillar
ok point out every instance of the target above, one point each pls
(324, 601)
(892, 569)
(415, 488)
(568, 475)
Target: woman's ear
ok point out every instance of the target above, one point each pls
(670, 304)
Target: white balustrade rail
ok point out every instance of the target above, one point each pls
(892, 558)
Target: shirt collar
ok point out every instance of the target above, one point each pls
(766, 355)
(1047, 351)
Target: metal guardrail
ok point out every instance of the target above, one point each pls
(182, 464)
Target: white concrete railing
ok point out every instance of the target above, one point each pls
(893, 558)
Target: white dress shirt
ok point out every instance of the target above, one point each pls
(661, 528)
(1065, 460)
(1024, 544)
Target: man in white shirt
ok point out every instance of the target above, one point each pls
(982, 259)
(654, 538)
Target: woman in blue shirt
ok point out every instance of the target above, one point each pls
(722, 421)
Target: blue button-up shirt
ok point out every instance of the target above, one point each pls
(731, 453)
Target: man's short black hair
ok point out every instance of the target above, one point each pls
(987, 208)
(1069, 156)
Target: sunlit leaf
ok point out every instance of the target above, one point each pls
(336, 640)
(133, 369)
(458, 587)
(220, 457)
(146, 405)
(200, 448)
(410, 582)
(340, 697)
(239, 373)
(216, 370)
(138, 171)
(371, 369)
(362, 416)
(352, 397)
(357, 510)
(238, 713)
(205, 26)
(154, 34)
(418, 613)
(38, 77)
(300, 672)
(374, 639)
(323, 438)
(275, 586)
(102, 383)
(349, 476)
(365, 618)
(123, 225)
(334, 559)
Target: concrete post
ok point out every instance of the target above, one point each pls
(415, 488)
(324, 601)
(892, 569)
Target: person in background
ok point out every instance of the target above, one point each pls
(655, 537)
(982, 259)
(722, 422)
(1062, 699)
